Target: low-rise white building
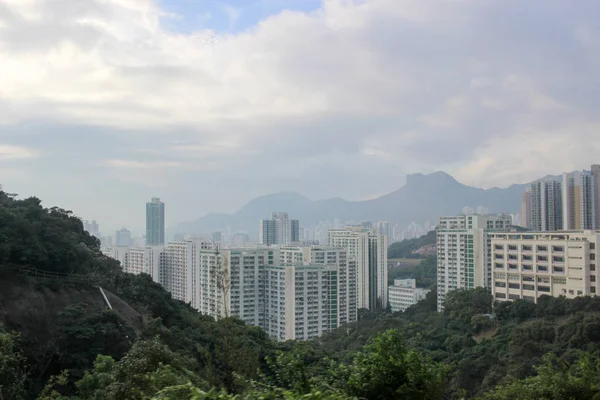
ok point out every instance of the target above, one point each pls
(527, 265)
(404, 293)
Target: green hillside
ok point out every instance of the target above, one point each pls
(405, 248)
(58, 341)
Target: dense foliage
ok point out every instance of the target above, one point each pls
(514, 350)
(425, 273)
(405, 248)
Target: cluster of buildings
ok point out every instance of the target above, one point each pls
(319, 233)
(291, 290)
(568, 203)
(555, 255)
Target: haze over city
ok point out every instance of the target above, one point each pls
(208, 104)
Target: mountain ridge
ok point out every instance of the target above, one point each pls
(423, 197)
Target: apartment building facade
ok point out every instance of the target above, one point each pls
(347, 309)
(464, 251)
(293, 292)
(595, 171)
(530, 264)
(137, 260)
(404, 293)
(369, 251)
(580, 200)
(280, 229)
(543, 209)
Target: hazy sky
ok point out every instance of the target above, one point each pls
(207, 104)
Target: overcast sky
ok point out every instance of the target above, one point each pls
(207, 104)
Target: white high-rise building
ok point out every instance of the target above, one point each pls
(179, 269)
(280, 229)
(369, 251)
(596, 175)
(137, 260)
(544, 211)
(300, 301)
(579, 200)
(531, 264)
(293, 292)
(464, 251)
(346, 299)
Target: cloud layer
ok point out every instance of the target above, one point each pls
(102, 106)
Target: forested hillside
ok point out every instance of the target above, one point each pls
(406, 248)
(176, 353)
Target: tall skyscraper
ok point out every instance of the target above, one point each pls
(525, 212)
(464, 251)
(596, 176)
(544, 209)
(369, 251)
(579, 200)
(385, 228)
(123, 237)
(280, 229)
(155, 222)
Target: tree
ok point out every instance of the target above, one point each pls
(149, 367)
(556, 380)
(12, 367)
(83, 334)
(386, 370)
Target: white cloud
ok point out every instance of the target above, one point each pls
(9, 152)
(366, 89)
(142, 165)
(233, 14)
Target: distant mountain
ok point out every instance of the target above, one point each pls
(424, 197)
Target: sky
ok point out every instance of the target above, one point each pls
(208, 104)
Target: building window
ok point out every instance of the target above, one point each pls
(592, 256)
(593, 278)
(501, 295)
(512, 285)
